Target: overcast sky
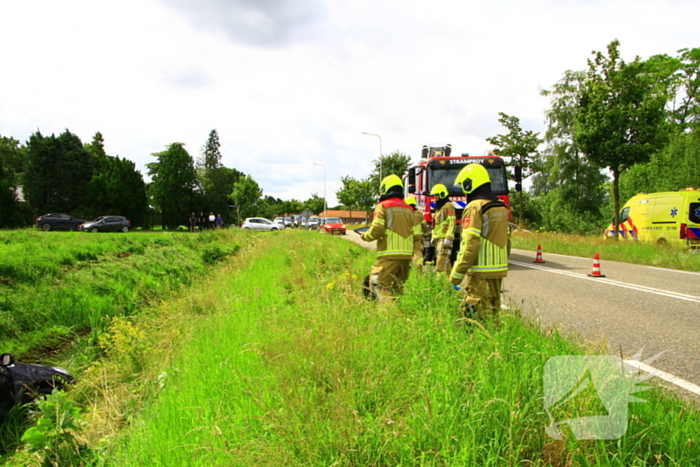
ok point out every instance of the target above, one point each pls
(290, 83)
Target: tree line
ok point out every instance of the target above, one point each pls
(613, 130)
(61, 174)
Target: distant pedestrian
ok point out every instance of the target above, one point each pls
(193, 222)
(212, 220)
(201, 221)
(219, 221)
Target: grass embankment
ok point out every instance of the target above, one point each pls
(280, 361)
(55, 286)
(650, 254)
(64, 296)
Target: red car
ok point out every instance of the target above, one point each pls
(333, 225)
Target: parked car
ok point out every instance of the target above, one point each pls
(261, 224)
(58, 221)
(312, 223)
(333, 225)
(107, 224)
(279, 220)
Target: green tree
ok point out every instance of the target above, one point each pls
(174, 184)
(519, 145)
(96, 149)
(12, 157)
(396, 163)
(216, 180)
(675, 167)
(681, 78)
(269, 207)
(116, 186)
(574, 187)
(58, 171)
(357, 194)
(9, 206)
(246, 195)
(315, 203)
(621, 119)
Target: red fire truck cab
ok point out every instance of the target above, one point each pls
(437, 165)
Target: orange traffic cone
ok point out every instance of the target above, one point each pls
(538, 258)
(596, 267)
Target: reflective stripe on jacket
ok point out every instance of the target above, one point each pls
(483, 249)
(392, 228)
(420, 227)
(445, 222)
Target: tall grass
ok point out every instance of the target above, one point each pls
(289, 365)
(650, 254)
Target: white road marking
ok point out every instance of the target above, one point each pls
(641, 288)
(674, 270)
(687, 385)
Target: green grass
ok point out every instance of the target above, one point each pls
(56, 286)
(650, 254)
(283, 363)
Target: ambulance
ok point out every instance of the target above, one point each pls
(671, 217)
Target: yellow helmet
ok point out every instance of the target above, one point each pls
(411, 201)
(440, 190)
(390, 182)
(472, 177)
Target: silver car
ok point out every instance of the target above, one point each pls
(261, 224)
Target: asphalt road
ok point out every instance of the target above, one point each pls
(632, 308)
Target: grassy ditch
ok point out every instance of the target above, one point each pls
(65, 297)
(666, 256)
(55, 286)
(280, 361)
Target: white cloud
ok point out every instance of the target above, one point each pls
(290, 83)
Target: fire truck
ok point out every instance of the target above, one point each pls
(438, 165)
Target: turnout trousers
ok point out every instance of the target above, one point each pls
(387, 276)
(483, 295)
(442, 256)
(418, 252)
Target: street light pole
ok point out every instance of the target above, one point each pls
(380, 154)
(325, 205)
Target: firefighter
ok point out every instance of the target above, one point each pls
(444, 230)
(392, 228)
(420, 231)
(483, 255)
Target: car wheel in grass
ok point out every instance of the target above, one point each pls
(46, 227)
(125, 229)
(94, 229)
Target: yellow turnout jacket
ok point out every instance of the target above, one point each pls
(392, 228)
(483, 250)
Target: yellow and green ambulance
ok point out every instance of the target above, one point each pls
(670, 217)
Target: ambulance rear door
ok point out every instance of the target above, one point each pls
(692, 228)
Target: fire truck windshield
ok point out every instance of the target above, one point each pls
(446, 174)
